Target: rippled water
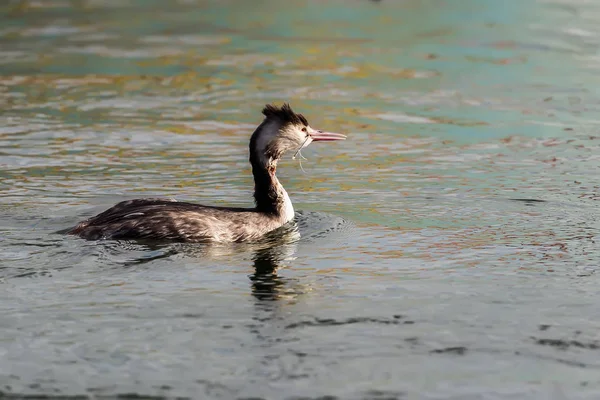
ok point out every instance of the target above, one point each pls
(447, 250)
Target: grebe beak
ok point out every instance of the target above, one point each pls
(321, 136)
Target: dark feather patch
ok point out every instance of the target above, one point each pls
(284, 114)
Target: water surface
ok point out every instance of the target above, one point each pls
(446, 250)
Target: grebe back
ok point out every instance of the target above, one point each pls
(282, 130)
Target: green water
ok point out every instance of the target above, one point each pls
(447, 249)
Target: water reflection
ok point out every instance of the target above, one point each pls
(266, 284)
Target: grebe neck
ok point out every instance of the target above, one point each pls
(269, 195)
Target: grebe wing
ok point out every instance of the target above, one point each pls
(138, 209)
(156, 217)
(128, 208)
(166, 219)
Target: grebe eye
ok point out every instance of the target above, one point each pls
(304, 129)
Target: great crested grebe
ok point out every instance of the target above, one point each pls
(282, 130)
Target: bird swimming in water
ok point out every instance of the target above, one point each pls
(281, 131)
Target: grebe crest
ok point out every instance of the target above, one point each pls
(281, 131)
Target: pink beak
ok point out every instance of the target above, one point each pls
(320, 136)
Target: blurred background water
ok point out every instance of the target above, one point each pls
(447, 248)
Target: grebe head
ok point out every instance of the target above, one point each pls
(283, 130)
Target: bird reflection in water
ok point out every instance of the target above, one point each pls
(280, 248)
